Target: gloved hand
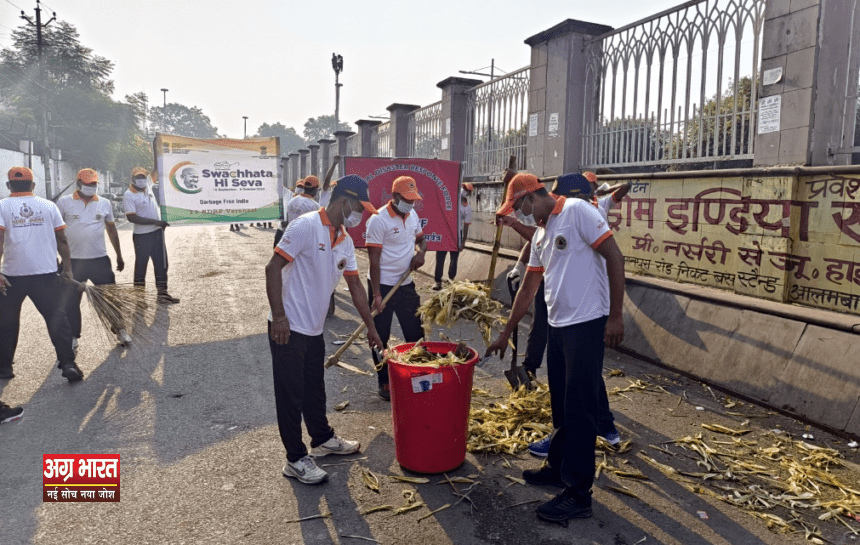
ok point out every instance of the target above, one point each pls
(516, 274)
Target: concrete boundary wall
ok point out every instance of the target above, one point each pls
(798, 360)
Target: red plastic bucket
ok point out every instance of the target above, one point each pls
(430, 410)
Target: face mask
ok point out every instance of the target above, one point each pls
(88, 190)
(404, 206)
(299, 190)
(353, 219)
(526, 219)
(140, 183)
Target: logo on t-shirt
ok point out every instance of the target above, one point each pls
(99, 217)
(26, 211)
(560, 242)
(341, 265)
(397, 230)
(322, 247)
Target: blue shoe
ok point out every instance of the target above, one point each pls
(541, 448)
(612, 438)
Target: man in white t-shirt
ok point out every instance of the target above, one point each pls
(584, 298)
(87, 218)
(141, 209)
(309, 261)
(392, 236)
(32, 236)
(464, 221)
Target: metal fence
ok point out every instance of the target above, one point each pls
(424, 131)
(353, 145)
(380, 140)
(676, 87)
(496, 124)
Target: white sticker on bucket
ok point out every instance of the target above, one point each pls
(424, 383)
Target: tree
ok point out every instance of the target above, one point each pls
(290, 140)
(181, 120)
(317, 128)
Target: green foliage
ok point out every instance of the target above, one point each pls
(290, 140)
(181, 120)
(317, 128)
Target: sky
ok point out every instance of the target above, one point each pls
(271, 60)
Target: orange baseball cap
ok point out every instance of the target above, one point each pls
(88, 176)
(522, 184)
(590, 176)
(468, 187)
(311, 181)
(20, 173)
(139, 171)
(405, 186)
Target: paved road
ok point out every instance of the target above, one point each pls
(193, 418)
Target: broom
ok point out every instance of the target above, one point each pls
(124, 306)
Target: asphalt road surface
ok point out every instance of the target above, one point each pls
(192, 415)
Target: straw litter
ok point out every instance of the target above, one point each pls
(419, 356)
(463, 300)
(510, 425)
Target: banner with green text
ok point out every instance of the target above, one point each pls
(205, 181)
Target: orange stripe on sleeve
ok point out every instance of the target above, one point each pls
(2, 228)
(373, 245)
(60, 228)
(603, 237)
(535, 269)
(285, 255)
(350, 273)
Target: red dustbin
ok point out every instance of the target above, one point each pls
(430, 410)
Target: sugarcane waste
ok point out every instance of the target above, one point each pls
(419, 356)
(467, 301)
(508, 426)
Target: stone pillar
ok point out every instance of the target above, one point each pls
(294, 169)
(557, 93)
(454, 116)
(326, 147)
(365, 130)
(315, 164)
(303, 162)
(342, 136)
(810, 49)
(400, 128)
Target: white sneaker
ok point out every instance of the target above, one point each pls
(335, 445)
(306, 471)
(123, 337)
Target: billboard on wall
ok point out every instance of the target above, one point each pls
(438, 183)
(205, 181)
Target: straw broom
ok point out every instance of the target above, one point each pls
(123, 306)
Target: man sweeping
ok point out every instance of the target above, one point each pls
(32, 236)
(87, 218)
(309, 261)
(141, 210)
(584, 300)
(392, 237)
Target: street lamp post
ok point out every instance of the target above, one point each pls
(245, 117)
(165, 97)
(337, 65)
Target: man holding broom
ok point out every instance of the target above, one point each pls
(308, 262)
(31, 236)
(87, 218)
(584, 300)
(392, 236)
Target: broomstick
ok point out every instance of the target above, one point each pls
(512, 163)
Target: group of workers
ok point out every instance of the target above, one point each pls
(570, 267)
(35, 230)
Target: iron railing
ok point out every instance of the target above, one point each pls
(380, 140)
(676, 87)
(496, 123)
(424, 131)
(353, 145)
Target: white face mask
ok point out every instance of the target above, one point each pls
(299, 190)
(526, 219)
(353, 219)
(404, 206)
(140, 183)
(88, 190)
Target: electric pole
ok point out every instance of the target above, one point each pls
(337, 65)
(245, 117)
(46, 154)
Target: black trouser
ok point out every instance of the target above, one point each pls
(574, 366)
(440, 265)
(46, 292)
(538, 332)
(404, 303)
(150, 246)
(299, 375)
(99, 272)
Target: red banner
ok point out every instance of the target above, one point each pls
(80, 477)
(438, 183)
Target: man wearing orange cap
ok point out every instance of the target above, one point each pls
(87, 218)
(392, 237)
(141, 210)
(465, 220)
(319, 252)
(584, 299)
(32, 236)
(304, 201)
